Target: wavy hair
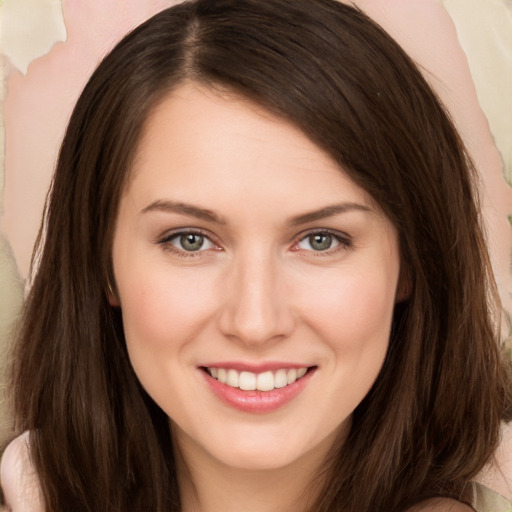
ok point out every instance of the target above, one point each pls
(432, 418)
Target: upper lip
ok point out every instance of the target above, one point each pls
(254, 367)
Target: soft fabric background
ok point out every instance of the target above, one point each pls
(50, 47)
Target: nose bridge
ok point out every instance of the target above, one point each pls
(256, 308)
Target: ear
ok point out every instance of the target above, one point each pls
(112, 295)
(404, 288)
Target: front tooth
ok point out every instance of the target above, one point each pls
(265, 381)
(301, 372)
(247, 381)
(232, 378)
(222, 375)
(291, 376)
(280, 380)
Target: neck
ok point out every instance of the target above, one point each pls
(208, 485)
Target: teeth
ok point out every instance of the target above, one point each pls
(280, 380)
(222, 375)
(266, 381)
(247, 381)
(291, 376)
(232, 379)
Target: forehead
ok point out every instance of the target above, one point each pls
(198, 142)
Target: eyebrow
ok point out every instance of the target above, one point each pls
(210, 216)
(185, 209)
(328, 211)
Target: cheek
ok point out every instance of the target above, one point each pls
(163, 313)
(163, 309)
(354, 310)
(355, 319)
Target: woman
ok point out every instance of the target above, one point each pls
(263, 284)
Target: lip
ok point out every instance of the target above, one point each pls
(256, 402)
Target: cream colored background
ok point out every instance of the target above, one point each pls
(50, 47)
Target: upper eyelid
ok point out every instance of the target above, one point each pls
(168, 235)
(334, 232)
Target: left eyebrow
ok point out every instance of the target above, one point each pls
(328, 211)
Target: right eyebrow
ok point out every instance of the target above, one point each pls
(184, 209)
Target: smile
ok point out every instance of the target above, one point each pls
(262, 390)
(249, 381)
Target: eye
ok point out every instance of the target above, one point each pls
(188, 242)
(323, 241)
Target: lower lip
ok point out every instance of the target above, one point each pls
(257, 401)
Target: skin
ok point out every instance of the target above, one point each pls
(257, 291)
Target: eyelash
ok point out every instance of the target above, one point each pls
(344, 242)
(166, 242)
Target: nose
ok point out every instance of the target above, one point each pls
(257, 304)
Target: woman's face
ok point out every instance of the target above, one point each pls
(256, 281)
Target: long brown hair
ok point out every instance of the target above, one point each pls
(431, 420)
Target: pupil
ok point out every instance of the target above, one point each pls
(191, 242)
(320, 242)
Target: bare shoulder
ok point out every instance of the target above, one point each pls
(441, 505)
(497, 474)
(18, 478)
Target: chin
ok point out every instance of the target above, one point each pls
(259, 460)
(251, 448)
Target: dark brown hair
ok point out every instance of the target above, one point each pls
(431, 420)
